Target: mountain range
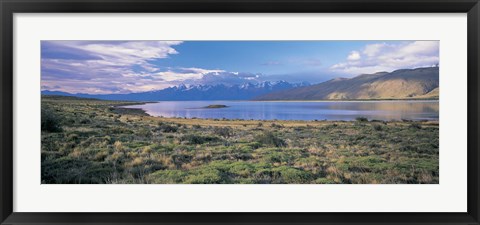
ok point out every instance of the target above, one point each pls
(244, 91)
(399, 84)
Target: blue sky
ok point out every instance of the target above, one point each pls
(134, 66)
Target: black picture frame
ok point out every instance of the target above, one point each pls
(9, 7)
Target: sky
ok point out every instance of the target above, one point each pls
(106, 67)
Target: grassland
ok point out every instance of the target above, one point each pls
(93, 141)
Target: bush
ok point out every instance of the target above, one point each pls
(278, 157)
(361, 119)
(205, 176)
(179, 159)
(144, 132)
(166, 128)
(274, 125)
(324, 180)
(254, 145)
(242, 169)
(166, 177)
(282, 175)
(223, 131)
(269, 139)
(50, 121)
(291, 175)
(198, 139)
(377, 127)
(85, 121)
(67, 170)
(415, 126)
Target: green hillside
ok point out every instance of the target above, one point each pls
(399, 84)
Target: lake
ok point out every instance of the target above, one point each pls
(296, 110)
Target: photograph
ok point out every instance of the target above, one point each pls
(240, 111)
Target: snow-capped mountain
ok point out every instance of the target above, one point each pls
(245, 91)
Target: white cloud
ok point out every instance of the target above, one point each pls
(127, 53)
(225, 77)
(186, 74)
(122, 67)
(117, 67)
(354, 55)
(111, 67)
(373, 49)
(106, 80)
(388, 57)
(200, 70)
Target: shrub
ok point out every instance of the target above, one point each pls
(166, 177)
(73, 138)
(361, 119)
(120, 130)
(85, 121)
(277, 157)
(377, 127)
(254, 145)
(205, 176)
(291, 175)
(324, 180)
(274, 125)
(50, 121)
(223, 131)
(415, 126)
(68, 170)
(144, 132)
(242, 169)
(166, 128)
(269, 139)
(282, 175)
(179, 159)
(198, 139)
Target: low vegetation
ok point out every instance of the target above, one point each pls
(93, 141)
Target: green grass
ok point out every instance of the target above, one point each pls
(94, 141)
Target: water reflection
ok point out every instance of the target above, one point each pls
(378, 110)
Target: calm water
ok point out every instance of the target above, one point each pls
(378, 110)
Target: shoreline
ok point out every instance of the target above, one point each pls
(134, 112)
(333, 100)
(118, 107)
(145, 113)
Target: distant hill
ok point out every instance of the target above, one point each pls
(399, 84)
(245, 91)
